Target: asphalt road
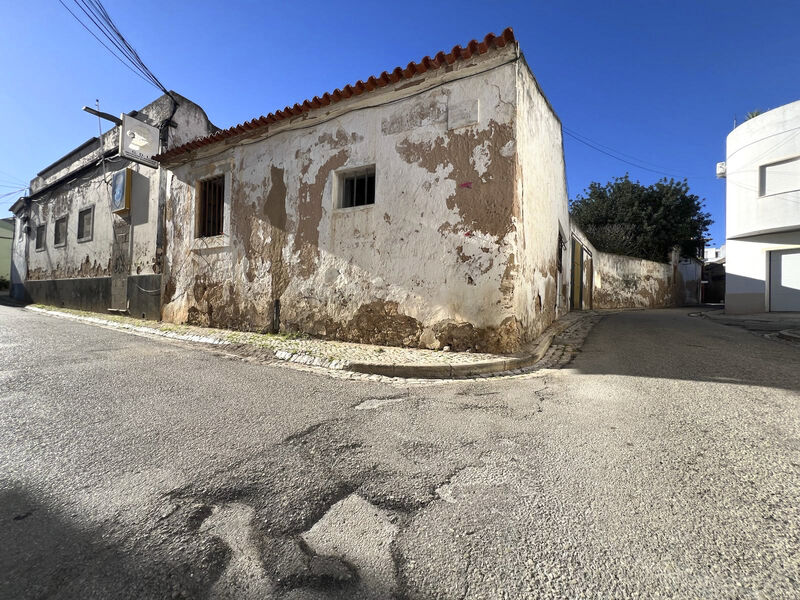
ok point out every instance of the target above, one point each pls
(664, 461)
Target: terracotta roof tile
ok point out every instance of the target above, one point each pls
(360, 87)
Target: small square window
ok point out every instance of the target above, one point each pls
(60, 232)
(40, 231)
(357, 188)
(210, 207)
(85, 224)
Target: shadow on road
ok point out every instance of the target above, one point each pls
(47, 555)
(671, 344)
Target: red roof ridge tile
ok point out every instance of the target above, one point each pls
(413, 68)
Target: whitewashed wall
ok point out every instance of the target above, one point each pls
(433, 262)
(762, 203)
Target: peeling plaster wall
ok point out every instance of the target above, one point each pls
(627, 282)
(140, 251)
(433, 262)
(542, 291)
(19, 261)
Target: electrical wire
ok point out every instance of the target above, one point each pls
(633, 164)
(114, 54)
(99, 19)
(575, 134)
(12, 178)
(11, 193)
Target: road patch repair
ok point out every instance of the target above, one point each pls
(364, 360)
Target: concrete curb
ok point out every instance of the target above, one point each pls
(755, 324)
(135, 328)
(792, 335)
(513, 362)
(521, 360)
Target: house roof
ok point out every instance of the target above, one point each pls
(360, 87)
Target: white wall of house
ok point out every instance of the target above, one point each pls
(117, 253)
(92, 257)
(437, 260)
(19, 263)
(762, 205)
(542, 291)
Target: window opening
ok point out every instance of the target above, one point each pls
(60, 232)
(559, 252)
(40, 237)
(358, 189)
(85, 222)
(210, 205)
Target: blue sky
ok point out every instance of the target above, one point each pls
(660, 82)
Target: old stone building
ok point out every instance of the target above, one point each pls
(73, 248)
(423, 207)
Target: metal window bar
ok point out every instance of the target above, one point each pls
(358, 190)
(212, 201)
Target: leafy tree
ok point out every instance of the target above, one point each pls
(626, 217)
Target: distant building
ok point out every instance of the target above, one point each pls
(713, 290)
(762, 171)
(74, 247)
(714, 254)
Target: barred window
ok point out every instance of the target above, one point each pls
(210, 206)
(358, 188)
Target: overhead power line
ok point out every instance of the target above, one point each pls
(616, 154)
(99, 24)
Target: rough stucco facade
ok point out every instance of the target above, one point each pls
(459, 247)
(627, 282)
(118, 264)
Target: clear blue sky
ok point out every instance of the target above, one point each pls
(658, 81)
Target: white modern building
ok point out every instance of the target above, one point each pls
(762, 171)
(714, 254)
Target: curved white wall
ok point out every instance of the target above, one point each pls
(762, 203)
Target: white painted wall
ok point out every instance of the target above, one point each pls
(541, 293)
(439, 250)
(93, 258)
(762, 203)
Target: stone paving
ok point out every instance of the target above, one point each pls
(334, 357)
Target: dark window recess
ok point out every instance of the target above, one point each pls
(559, 252)
(210, 206)
(358, 189)
(85, 218)
(40, 237)
(60, 232)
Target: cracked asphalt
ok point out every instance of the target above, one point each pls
(663, 461)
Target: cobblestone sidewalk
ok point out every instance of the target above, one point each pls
(367, 361)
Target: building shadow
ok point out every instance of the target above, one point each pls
(47, 554)
(673, 344)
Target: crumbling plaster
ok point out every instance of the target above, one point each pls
(437, 260)
(93, 258)
(541, 291)
(627, 282)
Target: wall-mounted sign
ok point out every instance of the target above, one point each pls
(138, 141)
(121, 191)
